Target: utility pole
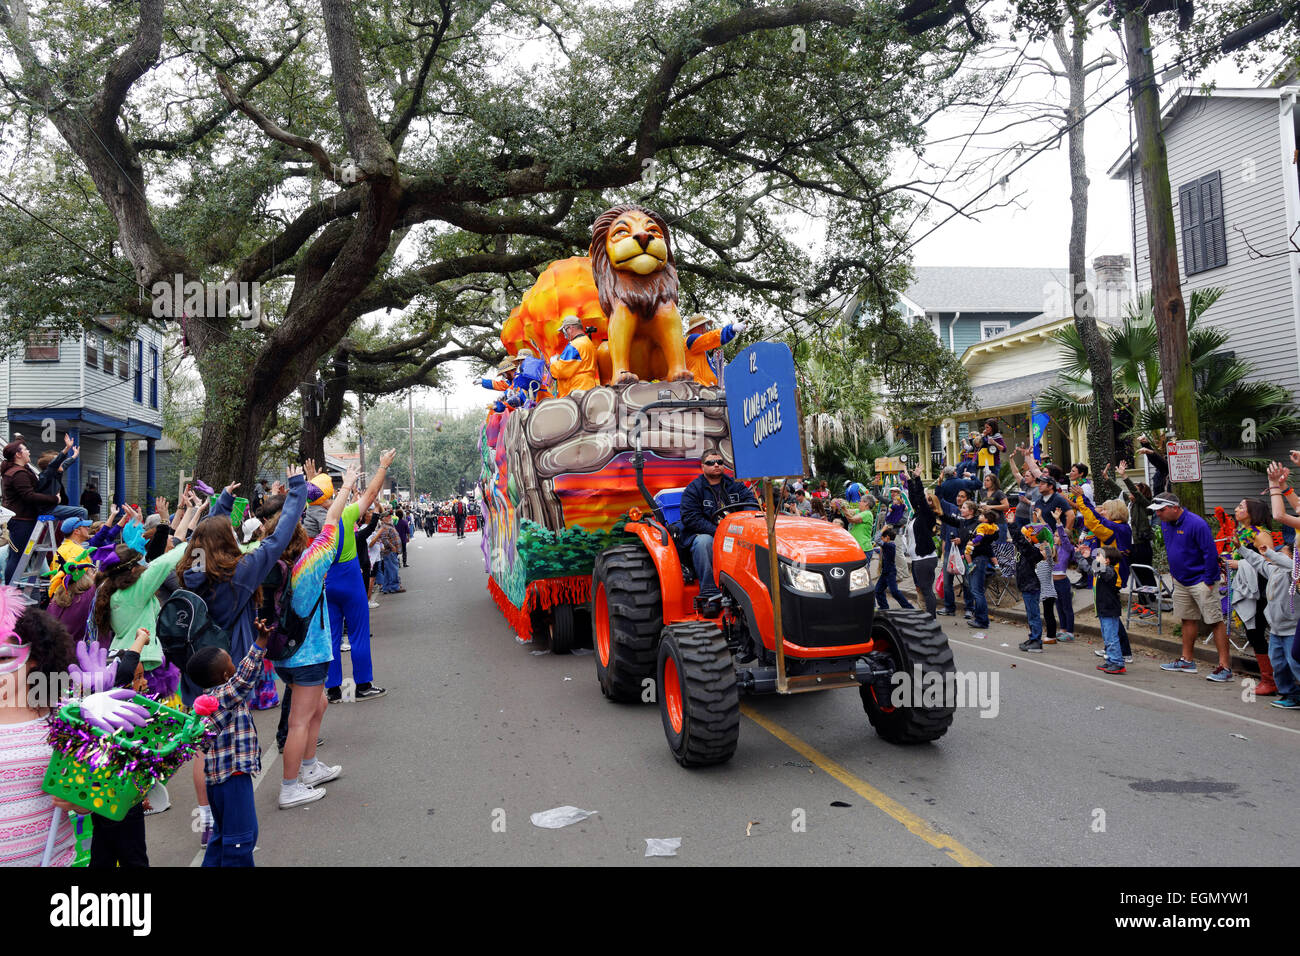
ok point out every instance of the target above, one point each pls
(361, 437)
(410, 416)
(411, 430)
(1176, 381)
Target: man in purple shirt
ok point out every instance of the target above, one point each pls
(403, 532)
(1194, 566)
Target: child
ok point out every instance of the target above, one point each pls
(889, 572)
(50, 481)
(121, 843)
(1028, 557)
(1284, 656)
(1061, 581)
(1106, 580)
(234, 754)
(979, 557)
(897, 515)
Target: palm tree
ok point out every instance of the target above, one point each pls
(1224, 397)
(838, 462)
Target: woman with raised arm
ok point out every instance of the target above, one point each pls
(307, 561)
(345, 593)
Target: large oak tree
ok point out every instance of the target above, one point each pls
(357, 158)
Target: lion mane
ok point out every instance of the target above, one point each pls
(641, 294)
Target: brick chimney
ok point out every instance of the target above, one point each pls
(1111, 291)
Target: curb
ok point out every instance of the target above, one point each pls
(1170, 647)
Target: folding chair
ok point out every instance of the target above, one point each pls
(1144, 579)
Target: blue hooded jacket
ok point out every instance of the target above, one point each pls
(230, 603)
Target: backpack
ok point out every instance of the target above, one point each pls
(290, 627)
(184, 627)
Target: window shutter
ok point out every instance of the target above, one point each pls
(1212, 234)
(1201, 211)
(1189, 205)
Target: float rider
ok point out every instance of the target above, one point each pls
(702, 343)
(575, 369)
(529, 380)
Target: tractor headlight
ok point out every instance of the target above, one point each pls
(859, 579)
(802, 580)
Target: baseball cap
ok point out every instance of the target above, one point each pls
(72, 524)
(324, 489)
(1165, 500)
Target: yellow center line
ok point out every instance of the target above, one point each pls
(917, 825)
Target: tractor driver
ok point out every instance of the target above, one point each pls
(706, 494)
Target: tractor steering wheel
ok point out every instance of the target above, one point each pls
(734, 506)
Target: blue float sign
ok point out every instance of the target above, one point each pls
(763, 414)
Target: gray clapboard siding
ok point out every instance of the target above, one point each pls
(1223, 133)
(45, 384)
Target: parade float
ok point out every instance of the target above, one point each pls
(558, 478)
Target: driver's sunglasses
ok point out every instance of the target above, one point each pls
(712, 462)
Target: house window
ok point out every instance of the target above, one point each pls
(139, 371)
(990, 329)
(1200, 204)
(106, 351)
(42, 347)
(92, 350)
(123, 360)
(153, 382)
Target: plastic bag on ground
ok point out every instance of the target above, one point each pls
(662, 847)
(558, 817)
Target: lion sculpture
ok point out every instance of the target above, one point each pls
(626, 289)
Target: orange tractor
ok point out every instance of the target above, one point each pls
(651, 624)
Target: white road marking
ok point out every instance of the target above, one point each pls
(1026, 659)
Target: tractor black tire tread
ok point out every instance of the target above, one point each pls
(633, 597)
(710, 694)
(926, 644)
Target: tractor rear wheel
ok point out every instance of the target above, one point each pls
(626, 619)
(699, 699)
(910, 638)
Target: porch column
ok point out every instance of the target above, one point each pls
(150, 475)
(119, 468)
(924, 443)
(72, 471)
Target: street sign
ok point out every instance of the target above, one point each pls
(1184, 460)
(764, 417)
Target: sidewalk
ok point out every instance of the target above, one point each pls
(1166, 645)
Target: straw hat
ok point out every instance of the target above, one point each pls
(695, 322)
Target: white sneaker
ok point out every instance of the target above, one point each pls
(298, 793)
(319, 773)
(346, 646)
(374, 604)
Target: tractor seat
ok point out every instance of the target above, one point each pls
(669, 501)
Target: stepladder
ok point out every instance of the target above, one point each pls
(36, 557)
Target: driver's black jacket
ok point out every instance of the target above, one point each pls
(701, 499)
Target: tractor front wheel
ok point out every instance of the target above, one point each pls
(911, 638)
(698, 696)
(626, 619)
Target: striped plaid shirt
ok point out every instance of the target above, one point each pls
(235, 748)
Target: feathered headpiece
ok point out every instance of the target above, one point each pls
(13, 652)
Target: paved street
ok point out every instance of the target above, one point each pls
(477, 727)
